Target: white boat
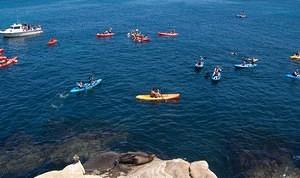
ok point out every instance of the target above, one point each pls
(19, 30)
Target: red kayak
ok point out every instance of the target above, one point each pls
(7, 62)
(3, 58)
(142, 39)
(52, 41)
(104, 35)
(167, 34)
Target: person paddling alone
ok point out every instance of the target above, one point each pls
(155, 93)
(80, 84)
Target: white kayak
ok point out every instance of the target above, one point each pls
(216, 77)
(199, 65)
(244, 65)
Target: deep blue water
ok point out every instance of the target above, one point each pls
(247, 108)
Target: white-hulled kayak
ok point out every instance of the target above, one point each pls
(241, 15)
(199, 66)
(164, 97)
(295, 57)
(216, 77)
(171, 34)
(86, 86)
(244, 65)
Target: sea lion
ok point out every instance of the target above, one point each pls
(135, 158)
(101, 163)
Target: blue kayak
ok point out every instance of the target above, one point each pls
(292, 76)
(86, 86)
(216, 77)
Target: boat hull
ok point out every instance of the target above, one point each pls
(20, 34)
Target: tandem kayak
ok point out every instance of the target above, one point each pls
(104, 35)
(164, 97)
(6, 62)
(292, 76)
(52, 41)
(244, 65)
(295, 57)
(86, 86)
(171, 34)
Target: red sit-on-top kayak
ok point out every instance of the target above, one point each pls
(167, 34)
(52, 41)
(104, 35)
(6, 62)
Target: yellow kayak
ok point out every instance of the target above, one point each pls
(164, 97)
(295, 57)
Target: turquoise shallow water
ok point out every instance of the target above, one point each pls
(247, 110)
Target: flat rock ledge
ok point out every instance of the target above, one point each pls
(157, 168)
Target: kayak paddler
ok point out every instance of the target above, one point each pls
(155, 93)
(91, 79)
(296, 73)
(80, 84)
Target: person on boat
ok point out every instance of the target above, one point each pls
(200, 61)
(217, 70)
(297, 53)
(155, 93)
(110, 30)
(80, 84)
(297, 73)
(91, 79)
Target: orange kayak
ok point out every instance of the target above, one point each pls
(164, 97)
(52, 41)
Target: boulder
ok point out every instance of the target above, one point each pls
(72, 171)
(199, 169)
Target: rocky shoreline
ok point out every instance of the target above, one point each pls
(132, 165)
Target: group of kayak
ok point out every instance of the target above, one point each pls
(154, 95)
(4, 61)
(216, 75)
(136, 35)
(296, 73)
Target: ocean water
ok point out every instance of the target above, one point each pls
(253, 111)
